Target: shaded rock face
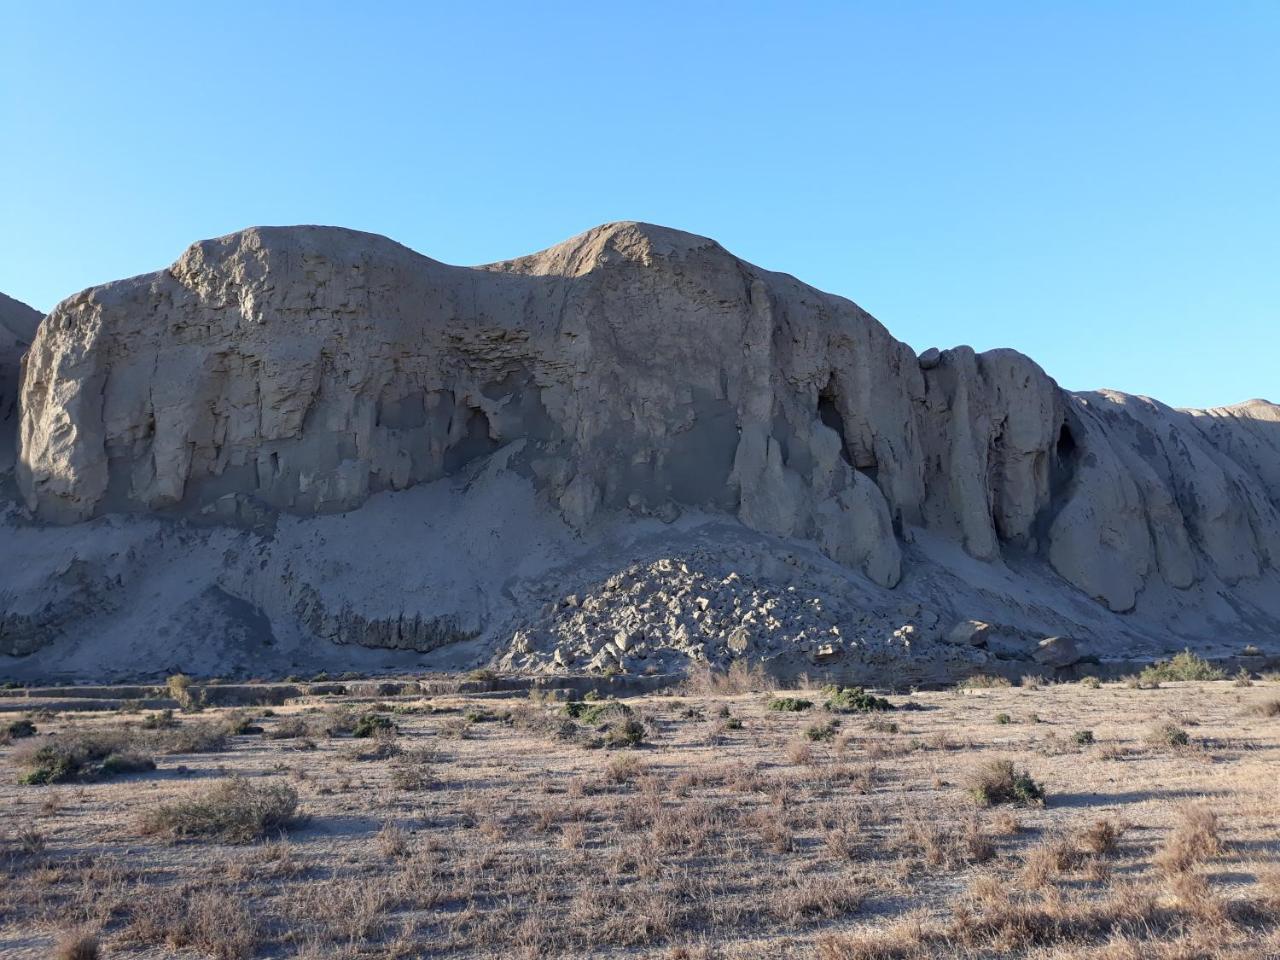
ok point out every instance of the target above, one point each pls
(18, 324)
(642, 370)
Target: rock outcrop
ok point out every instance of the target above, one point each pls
(631, 372)
(18, 324)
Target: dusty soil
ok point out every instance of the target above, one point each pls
(490, 827)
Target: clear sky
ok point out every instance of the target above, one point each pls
(1094, 183)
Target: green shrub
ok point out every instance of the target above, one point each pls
(236, 811)
(1003, 718)
(1083, 738)
(1091, 682)
(597, 712)
(373, 723)
(882, 726)
(998, 781)
(855, 700)
(81, 756)
(821, 731)
(1184, 666)
(628, 732)
(790, 704)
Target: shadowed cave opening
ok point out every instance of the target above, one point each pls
(829, 414)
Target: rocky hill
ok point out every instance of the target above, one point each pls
(308, 445)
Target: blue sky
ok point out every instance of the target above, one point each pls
(1096, 184)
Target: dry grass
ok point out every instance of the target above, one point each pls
(235, 810)
(485, 827)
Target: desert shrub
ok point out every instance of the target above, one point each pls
(1268, 708)
(789, 704)
(1003, 718)
(1090, 682)
(371, 724)
(998, 781)
(338, 720)
(127, 761)
(799, 752)
(1101, 837)
(81, 755)
(191, 738)
(1184, 666)
(740, 677)
(290, 728)
(982, 681)
(882, 726)
(1168, 735)
(1032, 681)
(17, 730)
(1243, 678)
(236, 811)
(180, 688)
(732, 723)
(623, 768)
(1194, 839)
(164, 720)
(821, 731)
(594, 713)
(854, 700)
(77, 945)
(239, 723)
(623, 733)
(1083, 738)
(379, 745)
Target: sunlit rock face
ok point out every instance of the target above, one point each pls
(631, 371)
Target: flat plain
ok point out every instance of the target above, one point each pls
(727, 820)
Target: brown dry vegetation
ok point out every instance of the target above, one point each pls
(498, 827)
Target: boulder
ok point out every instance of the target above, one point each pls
(1057, 652)
(974, 633)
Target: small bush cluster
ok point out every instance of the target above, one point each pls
(998, 781)
(88, 755)
(372, 724)
(595, 712)
(1083, 738)
(1168, 735)
(855, 700)
(790, 704)
(613, 723)
(822, 731)
(1184, 666)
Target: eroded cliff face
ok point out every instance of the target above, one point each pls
(18, 324)
(633, 370)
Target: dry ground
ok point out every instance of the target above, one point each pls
(487, 828)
